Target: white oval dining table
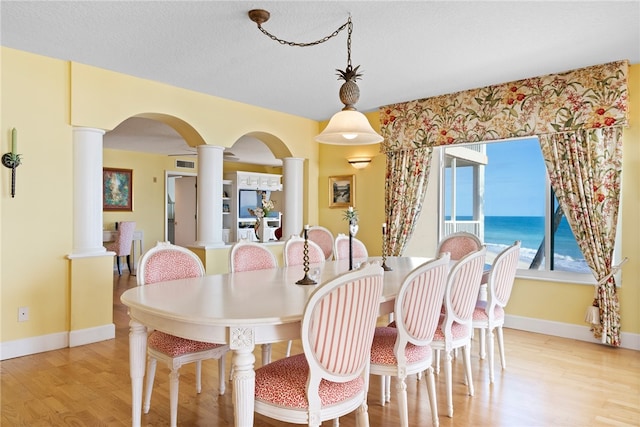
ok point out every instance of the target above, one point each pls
(240, 309)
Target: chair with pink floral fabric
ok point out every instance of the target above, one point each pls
(122, 245)
(331, 377)
(459, 244)
(293, 253)
(169, 262)
(455, 327)
(324, 238)
(341, 248)
(489, 315)
(404, 349)
(249, 256)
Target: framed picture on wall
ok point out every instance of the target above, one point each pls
(117, 189)
(342, 191)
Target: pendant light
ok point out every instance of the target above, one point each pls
(348, 126)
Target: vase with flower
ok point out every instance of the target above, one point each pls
(351, 215)
(261, 212)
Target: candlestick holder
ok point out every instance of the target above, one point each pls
(306, 280)
(385, 267)
(12, 161)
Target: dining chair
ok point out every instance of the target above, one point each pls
(122, 245)
(341, 248)
(169, 262)
(323, 237)
(331, 377)
(489, 315)
(459, 244)
(404, 349)
(455, 326)
(249, 256)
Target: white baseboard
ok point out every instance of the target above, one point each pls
(91, 335)
(566, 330)
(39, 344)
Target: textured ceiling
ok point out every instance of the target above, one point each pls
(407, 50)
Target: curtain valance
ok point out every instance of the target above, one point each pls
(586, 98)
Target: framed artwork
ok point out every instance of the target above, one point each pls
(342, 191)
(117, 189)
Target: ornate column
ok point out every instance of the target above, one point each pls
(209, 197)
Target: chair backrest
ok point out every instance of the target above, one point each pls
(168, 262)
(124, 238)
(419, 303)
(338, 325)
(341, 248)
(293, 253)
(323, 237)
(247, 256)
(459, 244)
(502, 275)
(463, 285)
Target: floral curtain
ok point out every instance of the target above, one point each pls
(585, 168)
(405, 185)
(567, 103)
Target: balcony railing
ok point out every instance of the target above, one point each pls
(474, 227)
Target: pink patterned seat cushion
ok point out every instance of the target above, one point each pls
(480, 314)
(457, 331)
(383, 344)
(284, 383)
(176, 346)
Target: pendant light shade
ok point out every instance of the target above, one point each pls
(349, 127)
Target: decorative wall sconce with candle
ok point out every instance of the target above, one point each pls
(12, 160)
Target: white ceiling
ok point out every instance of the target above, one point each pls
(407, 50)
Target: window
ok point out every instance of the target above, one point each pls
(500, 192)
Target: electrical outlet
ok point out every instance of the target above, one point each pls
(23, 314)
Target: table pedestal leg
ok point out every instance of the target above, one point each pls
(137, 358)
(244, 377)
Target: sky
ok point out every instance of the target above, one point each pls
(514, 181)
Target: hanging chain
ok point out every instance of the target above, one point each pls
(322, 40)
(349, 31)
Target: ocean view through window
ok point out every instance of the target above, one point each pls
(503, 195)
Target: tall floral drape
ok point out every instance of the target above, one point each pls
(584, 168)
(588, 98)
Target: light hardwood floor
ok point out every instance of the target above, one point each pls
(548, 382)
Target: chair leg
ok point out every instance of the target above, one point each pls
(401, 392)
(173, 396)
(118, 263)
(482, 353)
(266, 354)
(490, 351)
(289, 348)
(129, 264)
(449, 383)
(151, 374)
(433, 403)
(503, 360)
(383, 388)
(198, 376)
(436, 356)
(362, 415)
(387, 393)
(222, 386)
(466, 355)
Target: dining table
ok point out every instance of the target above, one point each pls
(241, 309)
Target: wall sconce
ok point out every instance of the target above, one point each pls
(359, 162)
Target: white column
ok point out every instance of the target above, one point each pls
(209, 196)
(87, 191)
(292, 183)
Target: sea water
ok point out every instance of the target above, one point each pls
(503, 231)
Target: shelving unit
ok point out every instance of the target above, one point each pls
(227, 201)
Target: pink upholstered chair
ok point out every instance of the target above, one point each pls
(404, 349)
(489, 315)
(122, 245)
(455, 327)
(341, 248)
(323, 237)
(293, 253)
(331, 378)
(459, 244)
(248, 256)
(169, 262)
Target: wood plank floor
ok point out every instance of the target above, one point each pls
(548, 382)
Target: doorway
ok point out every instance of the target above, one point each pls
(181, 203)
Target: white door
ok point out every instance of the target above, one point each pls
(185, 211)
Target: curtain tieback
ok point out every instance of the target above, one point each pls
(613, 271)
